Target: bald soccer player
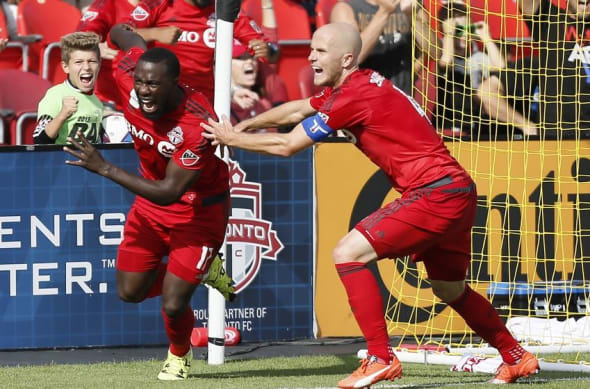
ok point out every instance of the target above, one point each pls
(431, 221)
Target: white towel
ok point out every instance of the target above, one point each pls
(550, 331)
(477, 364)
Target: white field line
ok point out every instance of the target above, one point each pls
(442, 385)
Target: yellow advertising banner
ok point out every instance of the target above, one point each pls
(532, 225)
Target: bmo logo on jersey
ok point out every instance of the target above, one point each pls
(249, 237)
(189, 36)
(140, 134)
(164, 147)
(193, 37)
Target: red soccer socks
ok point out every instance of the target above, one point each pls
(483, 318)
(179, 331)
(366, 303)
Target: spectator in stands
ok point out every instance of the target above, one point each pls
(561, 72)
(386, 35)
(252, 92)
(256, 87)
(72, 106)
(461, 67)
(191, 36)
(100, 17)
(3, 43)
(517, 104)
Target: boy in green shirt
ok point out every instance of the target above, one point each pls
(72, 106)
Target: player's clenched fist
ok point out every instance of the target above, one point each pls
(69, 105)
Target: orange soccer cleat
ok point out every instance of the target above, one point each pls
(507, 374)
(371, 371)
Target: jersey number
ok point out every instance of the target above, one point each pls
(206, 254)
(91, 135)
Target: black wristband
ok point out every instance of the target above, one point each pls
(43, 139)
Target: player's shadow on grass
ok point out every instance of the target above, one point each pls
(345, 366)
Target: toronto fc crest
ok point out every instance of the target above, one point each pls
(249, 238)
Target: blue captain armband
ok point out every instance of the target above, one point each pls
(316, 128)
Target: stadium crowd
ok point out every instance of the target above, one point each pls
(477, 80)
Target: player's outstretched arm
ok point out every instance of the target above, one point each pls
(161, 192)
(125, 37)
(285, 114)
(283, 145)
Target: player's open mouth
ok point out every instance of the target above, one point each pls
(148, 106)
(317, 70)
(86, 79)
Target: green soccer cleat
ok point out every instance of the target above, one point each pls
(218, 279)
(176, 368)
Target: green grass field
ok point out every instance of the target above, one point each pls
(297, 372)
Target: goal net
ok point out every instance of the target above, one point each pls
(512, 110)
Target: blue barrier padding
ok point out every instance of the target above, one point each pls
(59, 230)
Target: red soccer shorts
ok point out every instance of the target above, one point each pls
(190, 246)
(431, 224)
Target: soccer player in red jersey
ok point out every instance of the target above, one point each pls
(432, 220)
(182, 202)
(195, 46)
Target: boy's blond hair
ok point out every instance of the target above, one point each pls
(84, 41)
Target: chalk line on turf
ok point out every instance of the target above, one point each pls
(385, 385)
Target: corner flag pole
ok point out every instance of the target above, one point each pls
(226, 12)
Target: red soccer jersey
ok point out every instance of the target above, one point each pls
(388, 127)
(196, 45)
(176, 135)
(100, 17)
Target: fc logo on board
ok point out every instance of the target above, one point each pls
(249, 237)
